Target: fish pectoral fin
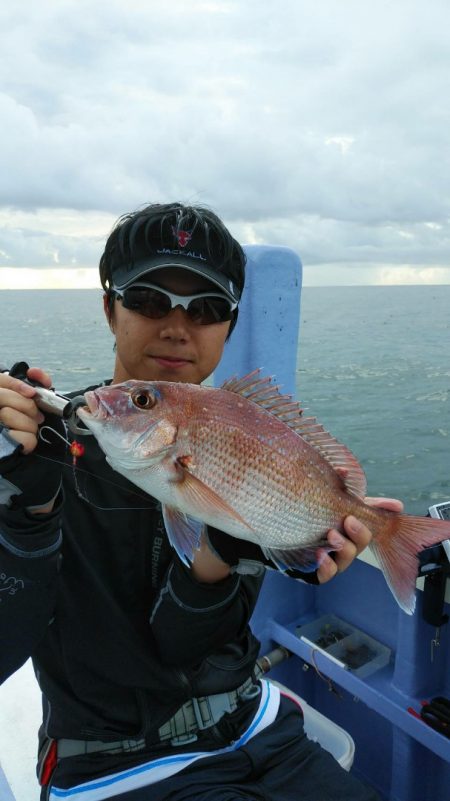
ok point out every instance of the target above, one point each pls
(205, 502)
(184, 533)
(305, 559)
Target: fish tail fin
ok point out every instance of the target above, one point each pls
(397, 547)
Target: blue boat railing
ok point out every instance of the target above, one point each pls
(397, 753)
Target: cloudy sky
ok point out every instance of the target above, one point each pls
(322, 125)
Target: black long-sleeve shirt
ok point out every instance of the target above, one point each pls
(120, 632)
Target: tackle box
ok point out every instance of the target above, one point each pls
(346, 645)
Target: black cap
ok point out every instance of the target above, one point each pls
(168, 245)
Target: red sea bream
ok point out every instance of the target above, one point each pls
(245, 460)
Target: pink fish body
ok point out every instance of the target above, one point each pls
(243, 459)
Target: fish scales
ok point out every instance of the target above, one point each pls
(243, 459)
(252, 461)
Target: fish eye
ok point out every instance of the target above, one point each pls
(143, 399)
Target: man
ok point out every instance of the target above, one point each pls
(147, 668)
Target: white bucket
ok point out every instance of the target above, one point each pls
(322, 730)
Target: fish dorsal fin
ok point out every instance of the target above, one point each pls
(336, 454)
(267, 395)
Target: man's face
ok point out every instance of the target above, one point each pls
(172, 348)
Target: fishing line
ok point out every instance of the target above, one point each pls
(326, 679)
(77, 469)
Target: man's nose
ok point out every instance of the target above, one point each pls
(177, 323)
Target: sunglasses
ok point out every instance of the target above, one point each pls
(203, 308)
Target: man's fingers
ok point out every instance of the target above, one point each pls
(327, 569)
(24, 417)
(28, 441)
(391, 504)
(36, 374)
(357, 537)
(358, 533)
(19, 413)
(345, 548)
(10, 384)
(16, 385)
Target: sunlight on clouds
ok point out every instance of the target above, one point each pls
(410, 274)
(313, 275)
(28, 278)
(211, 8)
(249, 235)
(344, 143)
(373, 274)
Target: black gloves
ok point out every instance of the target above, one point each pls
(247, 558)
(34, 480)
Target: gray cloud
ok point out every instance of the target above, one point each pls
(321, 125)
(21, 247)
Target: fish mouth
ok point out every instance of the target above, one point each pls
(94, 407)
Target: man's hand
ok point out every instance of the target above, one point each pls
(18, 411)
(30, 474)
(358, 537)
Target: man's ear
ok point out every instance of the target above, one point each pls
(108, 308)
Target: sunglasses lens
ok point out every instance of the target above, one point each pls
(157, 304)
(149, 302)
(205, 311)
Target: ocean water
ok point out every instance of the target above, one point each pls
(373, 366)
